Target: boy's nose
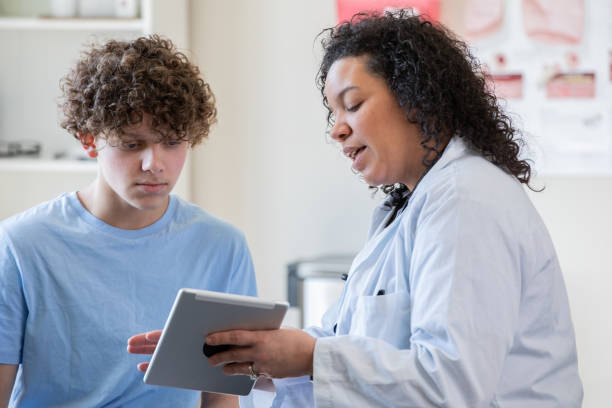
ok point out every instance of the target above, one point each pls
(152, 160)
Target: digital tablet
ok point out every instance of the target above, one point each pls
(180, 359)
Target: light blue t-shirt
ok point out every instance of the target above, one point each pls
(73, 289)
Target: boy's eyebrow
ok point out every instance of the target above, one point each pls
(131, 134)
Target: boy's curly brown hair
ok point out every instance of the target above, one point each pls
(113, 85)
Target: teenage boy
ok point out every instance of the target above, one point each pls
(82, 273)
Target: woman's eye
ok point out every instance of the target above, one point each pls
(353, 108)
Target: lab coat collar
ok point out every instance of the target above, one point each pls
(455, 149)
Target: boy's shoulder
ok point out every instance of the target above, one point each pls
(189, 215)
(40, 215)
(39, 223)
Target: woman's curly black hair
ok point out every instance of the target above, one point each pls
(114, 84)
(436, 81)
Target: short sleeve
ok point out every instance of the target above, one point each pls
(243, 275)
(13, 310)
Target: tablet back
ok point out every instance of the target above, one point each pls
(179, 359)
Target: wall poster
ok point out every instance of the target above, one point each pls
(550, 62)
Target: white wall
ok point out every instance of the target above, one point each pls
(268, 168)
(577, 213)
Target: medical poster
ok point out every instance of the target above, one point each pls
(347, 8)
(571, 85)
(550, 63)
(483, 17)
(554, 21)
(507, 86)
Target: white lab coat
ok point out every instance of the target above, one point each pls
(474, 311)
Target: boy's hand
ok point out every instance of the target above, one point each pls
(144, 343)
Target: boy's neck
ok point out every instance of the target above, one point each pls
(113, 210)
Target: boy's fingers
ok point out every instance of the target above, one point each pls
(138, 340)
(152, 337)
(145, 339)
(140, 349)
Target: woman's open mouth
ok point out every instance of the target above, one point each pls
(352, 152)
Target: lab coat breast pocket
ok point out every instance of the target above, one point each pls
(385, 317)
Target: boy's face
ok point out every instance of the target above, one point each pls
(139, 170)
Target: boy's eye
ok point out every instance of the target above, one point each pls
(173, 143)
(130, 145)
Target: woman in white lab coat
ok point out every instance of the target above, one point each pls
(457, 298)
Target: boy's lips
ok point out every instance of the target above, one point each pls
(150, 182)
(152, 187)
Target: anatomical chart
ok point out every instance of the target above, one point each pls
(550, 63)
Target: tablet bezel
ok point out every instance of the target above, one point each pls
(179, 360)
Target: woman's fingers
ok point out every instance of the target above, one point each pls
(237, 369)
(265, 384)
(273, 353)
(232, 337)
(233, 355)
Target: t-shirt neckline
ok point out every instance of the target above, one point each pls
(98, 224)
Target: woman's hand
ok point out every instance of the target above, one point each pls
(274, 353)
(144, 343)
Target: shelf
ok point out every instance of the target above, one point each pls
(47, 165)
(71, 24)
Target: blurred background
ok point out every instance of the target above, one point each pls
(269, 168)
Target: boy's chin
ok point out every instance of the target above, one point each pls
(150, 203)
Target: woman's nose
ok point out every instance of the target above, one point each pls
(340, 131)
(151, 159)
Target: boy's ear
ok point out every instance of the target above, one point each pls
(87, 139)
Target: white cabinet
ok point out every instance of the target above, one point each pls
(35, 52)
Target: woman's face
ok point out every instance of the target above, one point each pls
(371, 127)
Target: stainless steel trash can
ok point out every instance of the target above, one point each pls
(314, 284)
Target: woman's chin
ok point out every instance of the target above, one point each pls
(371, 181)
